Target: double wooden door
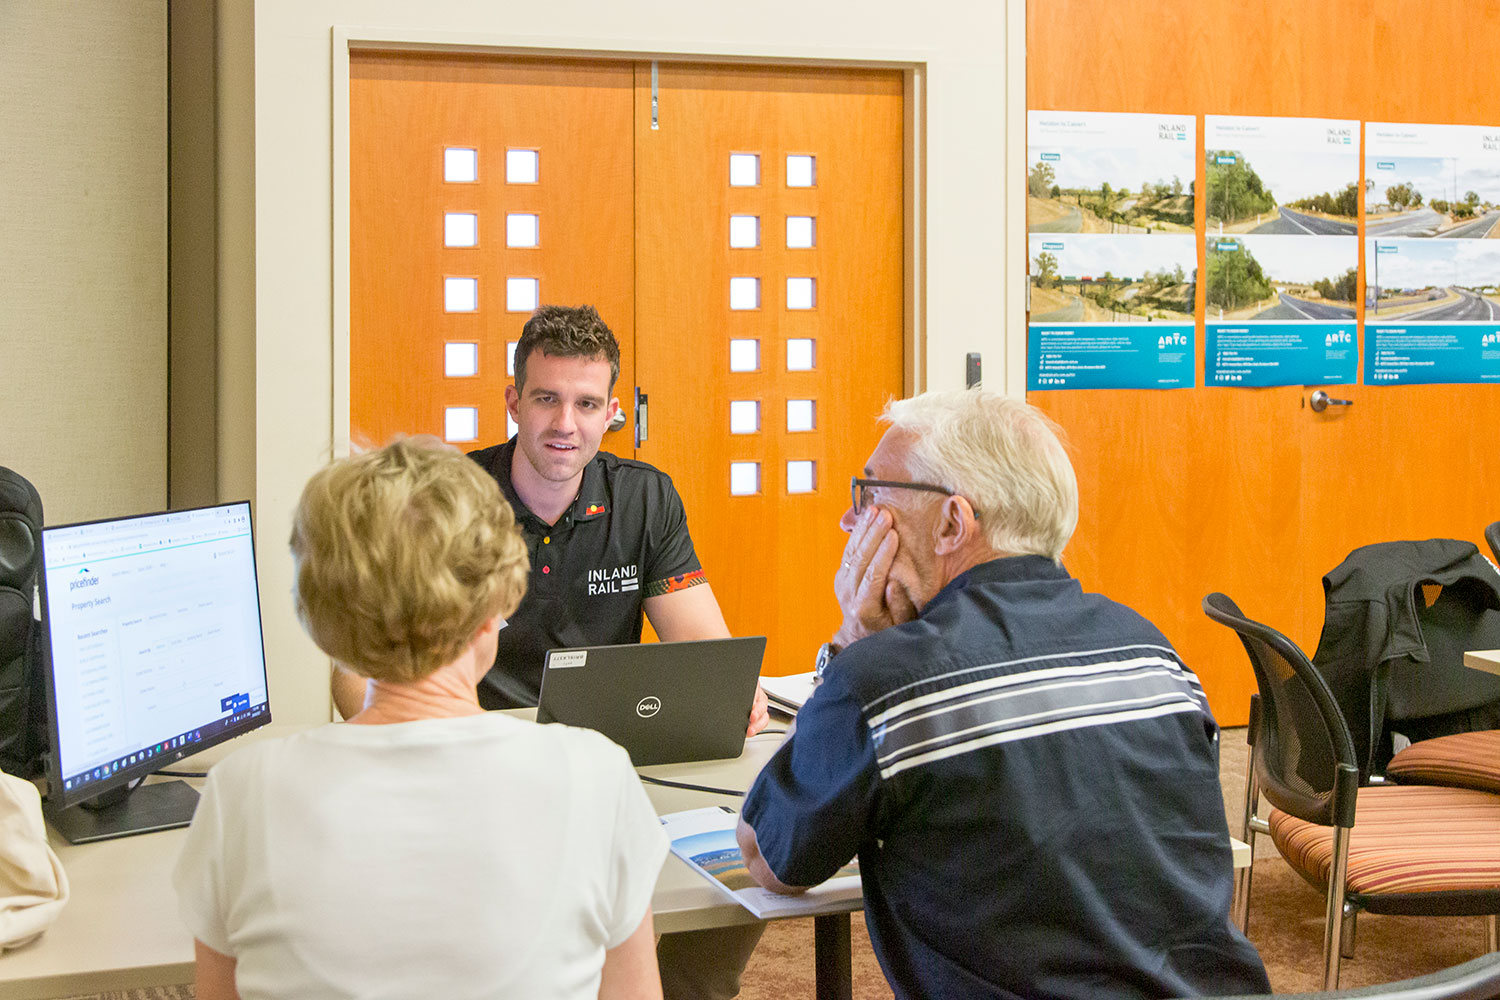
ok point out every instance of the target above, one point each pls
(1249, 491)
(739, 228)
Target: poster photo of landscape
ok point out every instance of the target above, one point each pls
(1432, 311)
(1281, 176)
(1432, 181)
(1111, 312)
(1107, 173)
(1280, 310)
(1284, 279)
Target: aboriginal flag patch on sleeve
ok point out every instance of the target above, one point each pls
(672, 584)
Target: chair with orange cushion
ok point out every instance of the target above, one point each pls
(1414, 850)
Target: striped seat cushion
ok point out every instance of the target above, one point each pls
(1465, 760)
(1406, 839)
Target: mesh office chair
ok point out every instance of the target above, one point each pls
(1416, 850)
(1474, 980)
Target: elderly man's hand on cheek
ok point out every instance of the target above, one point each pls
(870, 599)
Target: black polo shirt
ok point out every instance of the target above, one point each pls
(624, 539)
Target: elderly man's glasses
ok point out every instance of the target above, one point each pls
(859, 490)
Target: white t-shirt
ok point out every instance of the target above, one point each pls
(482, 856)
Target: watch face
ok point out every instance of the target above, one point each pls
(825, 653)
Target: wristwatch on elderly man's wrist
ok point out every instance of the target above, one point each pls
(820, 664)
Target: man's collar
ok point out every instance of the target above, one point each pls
(1007, 569)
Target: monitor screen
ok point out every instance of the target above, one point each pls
(155, 642)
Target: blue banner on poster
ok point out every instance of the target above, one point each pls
(1430, 353)
(1110, 356)
(1262, 354)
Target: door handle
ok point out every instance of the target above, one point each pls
(640, 417)
(1321, 401)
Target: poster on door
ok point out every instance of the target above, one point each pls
(1111, 312)
(1281, 262)
(1432, 181)
(1432, 311)
(1112, 257)
(1432, 254)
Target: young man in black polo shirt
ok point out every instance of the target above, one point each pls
(607, 536)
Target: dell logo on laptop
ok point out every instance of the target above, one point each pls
(648, 706)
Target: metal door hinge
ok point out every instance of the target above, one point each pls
(654, 95)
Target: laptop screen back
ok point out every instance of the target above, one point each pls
(664, 702)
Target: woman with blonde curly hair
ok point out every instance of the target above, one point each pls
(425, 848)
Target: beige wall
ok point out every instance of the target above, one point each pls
(83, 219)
(276, 363)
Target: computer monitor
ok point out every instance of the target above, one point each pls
(153, 653)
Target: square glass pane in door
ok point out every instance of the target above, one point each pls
(801, 171)
(801, 232)
(460, 229)
(744, 416)
(460, 165)
(460, 295)
(744, 479)
(799, 354)
(461, 359)
(744, 293)
(744, 169)
(522, 166)
(801, 415)
(744, 232)
(744, 355)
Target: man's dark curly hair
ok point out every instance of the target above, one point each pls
(567, 332)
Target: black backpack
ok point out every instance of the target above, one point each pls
(23, 717)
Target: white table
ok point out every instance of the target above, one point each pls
(120, 929)
(1483, 659)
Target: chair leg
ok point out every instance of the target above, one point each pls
(1242, 878)
(1492, 932)
(1333, 929)
(1347, 932)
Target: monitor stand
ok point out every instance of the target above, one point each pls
(157, 806)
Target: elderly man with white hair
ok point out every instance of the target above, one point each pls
(1027, 772)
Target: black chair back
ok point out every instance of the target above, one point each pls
(1475, 980)
(1492, 535)
(1303, 755)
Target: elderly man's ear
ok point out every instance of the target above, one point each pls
(957, 528)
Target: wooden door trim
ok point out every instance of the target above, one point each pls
(347, 39)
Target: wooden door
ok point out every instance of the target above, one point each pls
(763, 450)
(637, 221)
(551, 201)
(1247, 490)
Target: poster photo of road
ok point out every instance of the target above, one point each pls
(1097, 173)
(1112, 279)
(1284, 279)
(1281, 176)
(1432, 181)
(1426, 281)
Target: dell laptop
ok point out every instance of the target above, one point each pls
(664, 702)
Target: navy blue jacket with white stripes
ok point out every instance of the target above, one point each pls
(1029, 777)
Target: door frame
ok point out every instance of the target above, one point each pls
(911, 64)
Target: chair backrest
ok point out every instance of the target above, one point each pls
(1304, 758)
(1492, 535)
(1478, 979)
